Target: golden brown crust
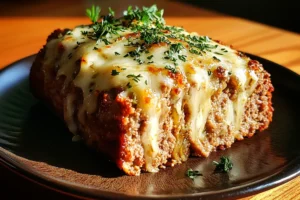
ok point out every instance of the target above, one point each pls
(108, 130)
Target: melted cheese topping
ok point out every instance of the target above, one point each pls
(193, 78)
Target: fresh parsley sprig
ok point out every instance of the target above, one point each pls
(93, 13)
(225, 165)
(193, 173)
(145, 15)
(153, 35)
(111, 12)
(101, 30)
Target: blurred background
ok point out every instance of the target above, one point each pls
(281, 14)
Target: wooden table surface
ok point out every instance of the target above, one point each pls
(23, 33)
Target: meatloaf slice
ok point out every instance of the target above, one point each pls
(150, 103)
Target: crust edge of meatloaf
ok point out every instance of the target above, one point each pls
(116, 125)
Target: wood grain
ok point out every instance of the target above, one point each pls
(24, 34)
(274, 44)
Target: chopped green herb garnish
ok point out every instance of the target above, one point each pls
(214, 57)
(114, 72)
(129, 85)
(153, 35)
(209, 72)
(182, 57)
(93, 13)
(146, 15)
(135, 53)
(111, 12)
(170, 68)
(108, 25)
(84, 32)
(225, 165)
(193, 173)
(176, 48)
(78, 44)
(224, 50)
(150, 57)
(218, 53)
(193, 51)
(70, 55)
(149, 27)
(139, 61)
(95, 48)
(146, 82)
(106, 42)
(135, 78)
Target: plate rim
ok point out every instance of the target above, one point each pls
(77, 190)
(279, 177)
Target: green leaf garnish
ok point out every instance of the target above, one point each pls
(182, 57)
(111, 12)
(225, 165)
(114, 72)
(145, 15)
(129, 85)
(135, 78)
(150, 57)
(171, 69)
(93, 13)
(215, 58)
(193, 173)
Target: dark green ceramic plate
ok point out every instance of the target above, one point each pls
(34, 142)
